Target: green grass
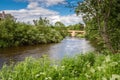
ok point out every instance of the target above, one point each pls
(88, 66)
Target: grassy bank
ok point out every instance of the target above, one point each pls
(81, 67)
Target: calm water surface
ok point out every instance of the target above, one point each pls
(67, 47)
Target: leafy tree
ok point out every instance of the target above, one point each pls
(42, 22)
(101, 13)
(76, 27)
(59, 24)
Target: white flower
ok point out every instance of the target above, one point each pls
(62, 67)
(88, 65)
(103, 78)
(48, 78)
(113, 63)
(115, 77)
(87, 75)
(42, 73)
(92, 70)
(55, 66)
(107, 59)
(10, 78)
(37, 75)
(99, 68)
(63, 78)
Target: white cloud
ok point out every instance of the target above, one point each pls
(28, 15)
(54, 2)
(33, 11)
(67, 20)
(32, 5)
(45, 2)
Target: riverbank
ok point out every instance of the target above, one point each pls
(87, 66)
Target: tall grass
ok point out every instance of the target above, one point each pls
(81, 67)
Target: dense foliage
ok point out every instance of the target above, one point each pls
(76, 27)
(102, 18)
(14, 33)
(81, 67)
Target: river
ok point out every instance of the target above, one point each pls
(69, 46)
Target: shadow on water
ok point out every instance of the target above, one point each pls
(70, 46)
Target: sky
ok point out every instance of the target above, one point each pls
(29, 10)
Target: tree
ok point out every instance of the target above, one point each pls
(41, 22)
(101, 13)
(59, 24)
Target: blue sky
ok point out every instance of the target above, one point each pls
(54, 10)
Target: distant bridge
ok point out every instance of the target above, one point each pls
(73, 32)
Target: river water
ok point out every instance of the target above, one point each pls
(69, 46)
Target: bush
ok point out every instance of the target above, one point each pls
(14, 33)
(81, 67)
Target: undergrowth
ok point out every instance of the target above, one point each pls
(88, 66)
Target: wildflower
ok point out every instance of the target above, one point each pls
(113, 63)
(107, 59)
(62, 67)
(10, 78)
(48, 78)
(99, 68)
(88, 65)
(103, 78)
(87, 75)
(55, 67)
(63, 78)
(115, 77)
(42, 73)
(92, 70)
(37, 75)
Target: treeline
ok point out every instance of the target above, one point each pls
(76, 27)
(14, 33)
(102, 19)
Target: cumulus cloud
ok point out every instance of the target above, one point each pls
(30, 13)
(54, 2)
(45, 2)
(33, 11)
(67, 20)
(33, 5)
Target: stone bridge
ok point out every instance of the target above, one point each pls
(73, 32)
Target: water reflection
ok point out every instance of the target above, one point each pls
(69, 46)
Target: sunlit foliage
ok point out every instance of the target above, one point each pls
(14, 33)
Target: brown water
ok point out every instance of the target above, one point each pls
(69, 46)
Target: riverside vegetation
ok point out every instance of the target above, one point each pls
(102, 19)
(89, 66)
(14, 33)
